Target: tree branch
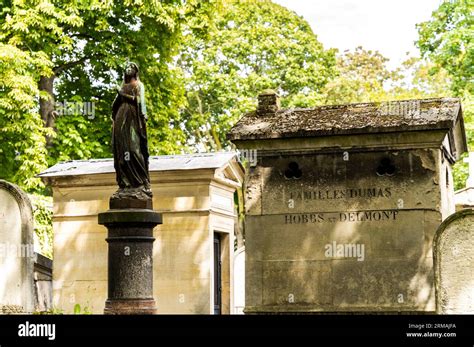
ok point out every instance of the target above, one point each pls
(58, 69)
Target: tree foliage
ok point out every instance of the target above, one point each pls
(22, 135)
(253, 46)
(74, 50)
(362, 76)
(447, 39)
(43, 215)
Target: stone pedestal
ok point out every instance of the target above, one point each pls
(130, 259)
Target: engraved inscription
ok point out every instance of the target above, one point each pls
(350, 193)
(347, 216)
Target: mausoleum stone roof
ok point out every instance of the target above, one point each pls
(360, 118)
(157, 163)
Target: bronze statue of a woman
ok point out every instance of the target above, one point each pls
(130, 219)
(129, 139)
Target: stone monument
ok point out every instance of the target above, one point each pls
(17, 288)
(454, 264)
(344, 201)
(131, 219)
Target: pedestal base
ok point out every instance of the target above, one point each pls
(131, 306)
(130, 260)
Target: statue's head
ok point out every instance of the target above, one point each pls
(131, 72)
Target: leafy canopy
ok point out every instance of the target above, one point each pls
(448, 40)
(254, 45)
(80, 46)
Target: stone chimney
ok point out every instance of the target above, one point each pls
(268, 102)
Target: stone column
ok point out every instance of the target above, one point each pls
(130, 257)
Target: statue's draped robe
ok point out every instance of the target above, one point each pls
(129, 139)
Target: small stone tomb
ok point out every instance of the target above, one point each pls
(344, 201)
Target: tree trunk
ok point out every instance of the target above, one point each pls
(47, 104)
(215, 137)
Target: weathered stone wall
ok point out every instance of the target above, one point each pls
(454, 264)
(300, 205)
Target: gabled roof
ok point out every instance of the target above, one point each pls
(157, 163)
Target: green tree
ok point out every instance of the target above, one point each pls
(22, 135)
(362, 76)
(254, 45)
(84, 44)
(447, 39)
(419, 79)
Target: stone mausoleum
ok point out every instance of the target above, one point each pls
(344, 202)
(193, 251)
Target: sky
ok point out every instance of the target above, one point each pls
(384, 25)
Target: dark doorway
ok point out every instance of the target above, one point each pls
(217, 275)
